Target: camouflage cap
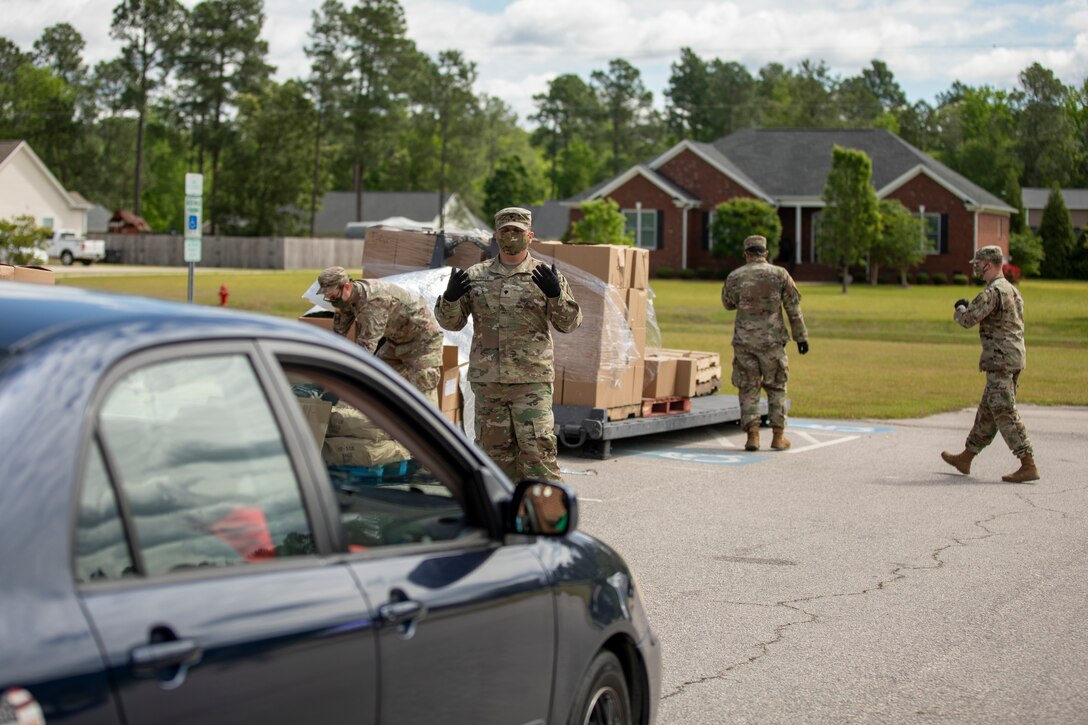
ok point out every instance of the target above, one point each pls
(991, 253)
(756, 244)
(331, 278)
(514, 216)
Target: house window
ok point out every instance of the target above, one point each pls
(708, 226)
(47, 222)
(814, 255)
(931, 233)
(642, 225)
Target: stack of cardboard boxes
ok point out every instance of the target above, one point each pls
(388, 250)
(450, 400)
(601, 365)
(681, 373)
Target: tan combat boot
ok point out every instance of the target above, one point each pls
(779, 442)
(961, 461)
(1027, 472)
(752, 444)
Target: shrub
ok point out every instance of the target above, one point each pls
(665, 273)
(960, 279)
(602, 223)
(704, 272)
(721, 272)
(921, 278)
(939, 278)
(688, 273)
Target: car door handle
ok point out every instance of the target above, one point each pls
(398, 612)
(149, 658)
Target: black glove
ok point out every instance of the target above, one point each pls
(547, 279)
(961, 301)
(458, 285)
(802, 347)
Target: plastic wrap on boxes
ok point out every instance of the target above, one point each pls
(391, 251)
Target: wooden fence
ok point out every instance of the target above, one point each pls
(168, 250)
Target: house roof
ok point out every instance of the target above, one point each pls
(714, 157)
(607, 186)
(1036, 198)
(338, 208)
(794, 163)
(550, 220)
(124, 216)
(8, 149)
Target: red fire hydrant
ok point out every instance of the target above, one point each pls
(224, 293)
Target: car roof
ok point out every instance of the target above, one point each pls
(33, 314)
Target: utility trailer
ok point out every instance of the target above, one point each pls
(590, 430)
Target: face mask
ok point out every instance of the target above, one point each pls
(513, 242)
(977, 270)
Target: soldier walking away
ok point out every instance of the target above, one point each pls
(390, 322)
(758, 291)
(512, 299)
(998, 310)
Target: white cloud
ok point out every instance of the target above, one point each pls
(928, 44)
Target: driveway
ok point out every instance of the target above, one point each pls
(855, 578)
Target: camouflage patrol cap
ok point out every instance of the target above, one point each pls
(514, 216)
(756, 244)
(331, 278)
(992, 253)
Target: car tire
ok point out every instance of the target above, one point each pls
(603, 698)
(66, 258)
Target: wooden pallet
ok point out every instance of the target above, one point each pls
(665, 406)
(623, 412)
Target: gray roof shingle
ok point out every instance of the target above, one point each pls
(1036, 198)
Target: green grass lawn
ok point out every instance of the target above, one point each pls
(877, 352)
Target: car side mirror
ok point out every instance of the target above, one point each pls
(543, 508)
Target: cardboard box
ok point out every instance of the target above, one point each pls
(317, 412)
(449, 390)
(606, 262)
(34, 275)
(660, 377)
(324, 320)
(598, 393)
(449, 357)
(454, 416)
(685, 378)
(544, 249)
(638, 264)
(7, 272)
(637, 307)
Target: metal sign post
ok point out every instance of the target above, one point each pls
(194, 222)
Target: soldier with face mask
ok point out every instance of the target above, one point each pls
(390, 322)
(512, 300)
(998, 310)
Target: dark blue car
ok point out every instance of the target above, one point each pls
(216, 517)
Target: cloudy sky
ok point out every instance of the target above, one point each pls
(518, 45)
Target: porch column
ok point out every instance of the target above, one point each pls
(684, 238)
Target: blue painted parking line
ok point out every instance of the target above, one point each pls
(825, 427)
(701, 455)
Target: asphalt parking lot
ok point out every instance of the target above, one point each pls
(856, 577)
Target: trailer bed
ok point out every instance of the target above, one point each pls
(590, 430)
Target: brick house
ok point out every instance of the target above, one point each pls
(669, 201)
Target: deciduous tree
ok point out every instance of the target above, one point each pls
(850, 223)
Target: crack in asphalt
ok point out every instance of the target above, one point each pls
(896, 574)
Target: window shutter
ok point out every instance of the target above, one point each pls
(660, 229)
(706, 231)
(943, 234)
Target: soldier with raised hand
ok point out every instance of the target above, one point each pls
(512, 299)
(998, 310)
(758, 291)
(390, 322)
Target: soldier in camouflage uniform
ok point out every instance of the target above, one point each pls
(998, 310)
(390, 322)
(758, 291)
(512, 298)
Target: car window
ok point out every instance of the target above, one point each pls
(387, 493)
(101, 546)
(201, 464)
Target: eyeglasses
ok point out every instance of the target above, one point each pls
(339, 295)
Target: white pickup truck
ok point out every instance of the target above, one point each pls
(69, 246)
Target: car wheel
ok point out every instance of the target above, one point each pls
(603, 698)
(66, 258)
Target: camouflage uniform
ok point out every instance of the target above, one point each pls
(758, 291)
(510, 363)
(998, 310)
(395, 325)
